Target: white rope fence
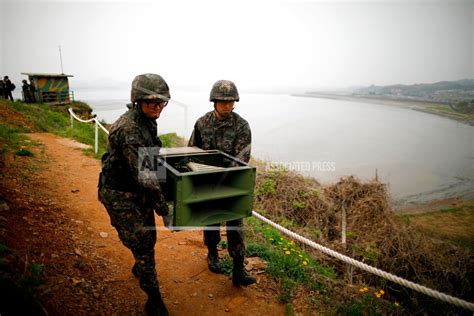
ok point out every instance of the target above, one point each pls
(419, 288)
(97, 125)
(366, 267)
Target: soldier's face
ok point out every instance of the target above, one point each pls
(223, 109)
(152, 108)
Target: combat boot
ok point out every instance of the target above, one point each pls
(239, 276)
(136, 271)
(213, 260)
(155, 305)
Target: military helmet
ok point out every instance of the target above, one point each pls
(149, 86)
(224, 90)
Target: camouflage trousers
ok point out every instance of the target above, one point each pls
(235, 238)
(135, 224)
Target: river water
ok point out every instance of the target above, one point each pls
(420, 156)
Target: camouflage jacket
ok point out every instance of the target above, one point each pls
(232, 136)
(120, 164)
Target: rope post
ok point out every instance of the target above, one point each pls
(344, 239)
(351, 268)
(344, 224)
(96, 145)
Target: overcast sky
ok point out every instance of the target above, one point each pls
(259, 44)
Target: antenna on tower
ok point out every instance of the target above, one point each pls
(61, 59)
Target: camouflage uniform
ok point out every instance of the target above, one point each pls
(32, 92)
(233, 137)
(8, 88)
(2, 89)
(130, 201)
(26, 91)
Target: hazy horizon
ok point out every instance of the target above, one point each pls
(262, 45)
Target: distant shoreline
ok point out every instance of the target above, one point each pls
(429, 107)
(364, 98)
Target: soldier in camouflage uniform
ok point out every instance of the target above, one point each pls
(227, 131)
(8, 88)
(130, 198)
(26, 91)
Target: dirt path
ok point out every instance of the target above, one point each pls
(64, 227)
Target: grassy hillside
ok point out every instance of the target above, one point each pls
(453, 224)
(18, 117)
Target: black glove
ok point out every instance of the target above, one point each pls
(159, 204)
(162, 209)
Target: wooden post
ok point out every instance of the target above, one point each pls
(351, 268)
(344, 223)
(96, 147)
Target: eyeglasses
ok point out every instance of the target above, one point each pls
(156, 103)
(226, 104)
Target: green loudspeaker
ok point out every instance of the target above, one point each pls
(206, 187)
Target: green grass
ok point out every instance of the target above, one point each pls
(370, 302)
(450, 112)
(289, 310)
(85, 133)
(12, 141)
(227, 265)
(24, 152)
(23, 284)
(294, 261)
(9, 136)
(453, 224)
(171, 140)
(33, 277)
(54, 119)
(288, 264)
(44, 118)
(267, 187)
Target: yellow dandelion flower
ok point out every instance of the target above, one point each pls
(270, 238)
(301, 256)
(305, 263)
(287, 252)
(378, 295)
